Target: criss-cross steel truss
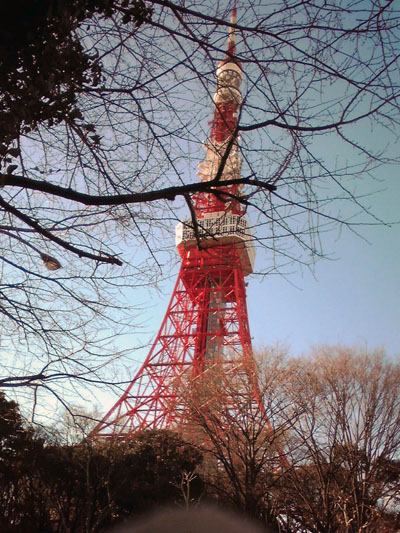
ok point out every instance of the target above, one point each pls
(206, 324)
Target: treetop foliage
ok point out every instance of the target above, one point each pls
(15, 438)
(59, 488)
(44, 65)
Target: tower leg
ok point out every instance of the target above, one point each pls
(205, 327)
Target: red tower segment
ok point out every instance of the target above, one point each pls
(222, 161)
(206, 324)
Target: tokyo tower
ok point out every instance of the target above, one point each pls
(206, 323)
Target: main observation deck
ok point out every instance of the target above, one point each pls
(218, 229)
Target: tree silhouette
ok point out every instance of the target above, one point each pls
(20, 454)
(84, 487)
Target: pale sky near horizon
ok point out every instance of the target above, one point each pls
(353, 299)
(350, 299)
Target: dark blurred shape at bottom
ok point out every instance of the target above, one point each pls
(203, 519)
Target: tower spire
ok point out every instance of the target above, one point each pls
(232, 33)
(222, 158)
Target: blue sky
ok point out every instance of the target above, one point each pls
(350, 298)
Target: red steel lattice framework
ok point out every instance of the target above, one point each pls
(206, 323)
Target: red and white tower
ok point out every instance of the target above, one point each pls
(206, 324)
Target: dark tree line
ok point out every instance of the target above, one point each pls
(48, 487)
(322, 456)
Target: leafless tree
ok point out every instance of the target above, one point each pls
(241, 428)
(322, 452)
(345, 447)
(89, 200)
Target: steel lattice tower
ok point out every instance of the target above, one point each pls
(206, 323)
